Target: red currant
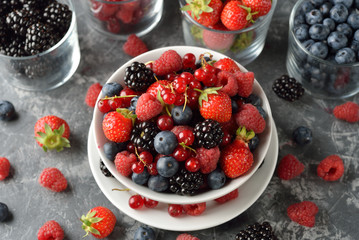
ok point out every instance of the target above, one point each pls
(210, 80)
(210, 68)
(186, 137)
(200, 74)
(169, 98)
(192, 164)
(152, 169)
(187, 76)
(189, 60)
(131, 147)
(149, 65)
(175, 210)
(103, 106)
(181, 154)
(127, 100)
(115, 103)
(227, 138)
(146, 157)
(170, 77)
(179, 84)
(164, 122)
(180, 99)
(195, 84)
(138, 167)
(135, 201)
(149, 203)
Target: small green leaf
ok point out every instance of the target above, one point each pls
(95, 220)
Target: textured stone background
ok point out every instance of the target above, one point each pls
(31, 205)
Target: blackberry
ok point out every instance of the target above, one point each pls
(257, 231)
(38, 69)
(39, 5)
(143, 135)
(39, 37)
(138, 77)
(104, 170)
(186, 183)
(288, 88)
(19, 21)
(208, 133)
(15, 47)
(59, 16)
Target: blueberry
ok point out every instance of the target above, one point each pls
(301, 32)
(165, 142)
(319, 32)
(180, 116)
(299, 19)
(253, 143)
(158, 183)
(356, 35)
(346, 3)
(261, 111)
(308, 43)
(306, 7)
(345, 55)
(216, 179)
(353, 20)
(355, 46)
(356, 4)
(144, 233)
(112, 89)
(337, 40)
(133, 104)
(110, 149)
(4, 211)
(339, 13)
(329, 23)
(7, 111)
(317, 3)
(253, 99)
(325, 8)
(345, 29)
(319, 49)
(302, 135)
(313, 17)
(235, 107)
(140, 178)
(167, 166)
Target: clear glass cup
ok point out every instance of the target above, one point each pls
(242, 45)
(49, 69)
(118, 19)
(320, 78)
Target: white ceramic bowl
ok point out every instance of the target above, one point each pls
(231, 185)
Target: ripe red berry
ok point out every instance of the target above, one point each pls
(192, 164)
(189, 60)
(303, 213)
(165, 122)
(152, 169)
(229, 196)
(53, 179)
(331, 168)
(92, 93)
(115, 103)
(169, 98)
(227, 138)
(194, 209)
(146, 157)
(50, 230)
(126, 102)
(103, 106)
(289, 167)
(138, 167)
(113, 25)
(149, 203)
(348, 111)
(134, 46)
(175, 210)
(188, 77)
(4, 168)
(180, 85)
(135, 201)
(181, 154)
(186, 136)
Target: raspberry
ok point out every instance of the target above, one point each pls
(170, 61)
(124, 15)
(331, 168)
(51, 230)
(134, 46)
(303, 213)
(92, 93)
(227, 197)
(289, 167)
(348, 111)
(250, 117)
(124, 161)
(177, 129)
(245, 83)
(147, 107)
(230, 126)
(53, 179)
(186, 236)
(227, 64)
(194, 209)
(208, 159)
(4, 168)
(229, 83)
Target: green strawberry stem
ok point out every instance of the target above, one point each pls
(127, 114)
(204, 94)
(249, 17)
(197, 7)
(244, 135)
(52, 139)
(88, 220)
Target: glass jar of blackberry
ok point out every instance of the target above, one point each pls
(39, 48)
(323, 47)
(120, 18)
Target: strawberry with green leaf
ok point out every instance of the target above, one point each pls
(99, 221)
(205, 12)
(236, 16)
(117, 125)
(52, 132)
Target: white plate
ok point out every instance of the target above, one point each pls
(215, 213)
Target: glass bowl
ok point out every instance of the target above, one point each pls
(46, 70)
(118, 19)
(243, 45)
(320, 78)
(204, 196)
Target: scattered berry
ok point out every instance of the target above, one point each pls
(236, 161)
(169, 61)
(331, 168)
(51, 230)
(186, 236)
(4, 212)
(4, 168)
(53, 179)
(257, 231)
(7, 111)
(92, 93)
(136, 201)
(134, 46)
(147, 107)
(149, 203)
(99, 221)
(175, 210)
(181, 115)
(194, 209)
(348, 111)
(289, 167)
(227, 64)
(144, 233)
(288, 88)
(302, 135)
(303, 213)
(229, 196)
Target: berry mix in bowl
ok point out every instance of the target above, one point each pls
(39, 47)
(237, 29)
(323, 48)
(121, 18)
(182, 125)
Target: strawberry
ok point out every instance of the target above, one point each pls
(4, 168)
(229, 196)
(205, 12)
(51, 230)
(170, 61)
(348, 111)
(235, 16)
(258, 7)
(245, 82)
(117, 125)
(92, 93)
(289, 167)
(303, 213)
(243, 137)
(53, 179)
(134, 46)
(52, 132)
(227, 64)
(331, 168)
(216, 40)
(99, 221)
(235, 160)
(215, 105)
(250, 117)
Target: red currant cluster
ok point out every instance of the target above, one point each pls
(112, 103)
(137, 201)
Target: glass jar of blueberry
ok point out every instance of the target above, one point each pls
(323, 47)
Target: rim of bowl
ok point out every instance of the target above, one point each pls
(170, 197)
(299, 44)
(258, 23)
(63, 39)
